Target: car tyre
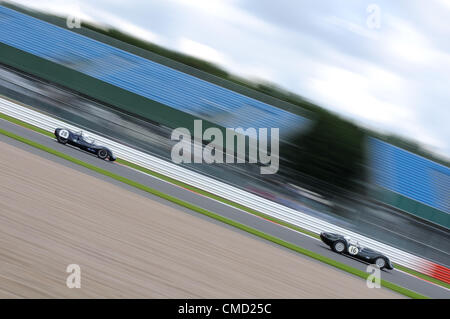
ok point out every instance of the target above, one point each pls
(338, 246)
(380, 262)
(61, 140)
(103, 154)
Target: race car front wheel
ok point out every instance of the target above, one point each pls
(338, 246)
(62, 140)
(103, 154)
(380, 262)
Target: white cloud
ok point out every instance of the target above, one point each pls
(359, 29)
(228, 11)
(350, 93)
(406, 43)
(201, 51)
(257, 73)
(444, 3)
(58, 7)
(360, 96)
(123, 25)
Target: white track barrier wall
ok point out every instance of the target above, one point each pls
(227, 191)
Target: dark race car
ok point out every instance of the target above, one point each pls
(83, 142)
(345, 245)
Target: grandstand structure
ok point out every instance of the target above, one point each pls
(410, 182)
(148, 89)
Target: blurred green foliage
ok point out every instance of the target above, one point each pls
(333, 151)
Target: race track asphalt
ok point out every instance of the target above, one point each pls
(397, 277)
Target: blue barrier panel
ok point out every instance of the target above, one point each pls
(409, 175)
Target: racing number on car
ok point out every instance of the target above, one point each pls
(353, 250)
(64, 133)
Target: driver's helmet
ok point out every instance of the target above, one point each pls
(87, 138)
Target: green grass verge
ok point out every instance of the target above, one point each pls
(215, 197)
(225, 220)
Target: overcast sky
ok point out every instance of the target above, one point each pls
(391, 74)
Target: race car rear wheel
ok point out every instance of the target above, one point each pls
(338, 246)
(380, 262)
(103, 154)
